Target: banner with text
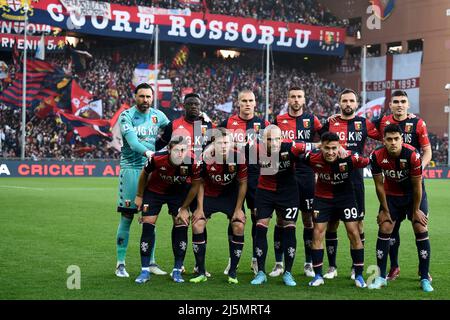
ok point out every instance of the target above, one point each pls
(198, 27)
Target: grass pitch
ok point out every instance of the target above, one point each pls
(49, 224)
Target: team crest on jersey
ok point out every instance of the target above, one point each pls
(184, 170)
(256, 126)
(155, 119)
(343, 167)
(204, 128)
(232, 167)
(358, 125)
(403, 163)
(306, 123)
(284, 156)
(408, 127)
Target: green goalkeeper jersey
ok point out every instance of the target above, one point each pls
(139, 132)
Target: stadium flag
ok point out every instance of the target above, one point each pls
(40, 51)
(116, 141)
(80, 98)
(165, 91)
(37, 71)
(79, 59)
(225, 107)
(94, 110)
(90, 130)
(145, 73)
(181, 57)
(395, 72)
(372, 109)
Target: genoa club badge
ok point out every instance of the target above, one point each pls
(342, 167)
(232, 168)
(306, 123)
(184, 170)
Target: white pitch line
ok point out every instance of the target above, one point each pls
(20, 187)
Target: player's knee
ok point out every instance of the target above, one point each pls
(238, 227)
(419, 228)
(148, 219)
(386, 227)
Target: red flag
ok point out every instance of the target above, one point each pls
(80, 98)
(116, 115)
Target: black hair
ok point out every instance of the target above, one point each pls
(143, 85)
(191, 95)
(329, 137)
(399, 93)
(175, 140)
(392, 128)
(295, 88)
(346, 91)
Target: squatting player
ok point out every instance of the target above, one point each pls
(277, 190)
(245, 128)
(334, 199)
(352, 131)
(223, 189)
(170, 172)
(139, 127)
(400, 195)
(298, 126)
(414, 133)
(194, 125)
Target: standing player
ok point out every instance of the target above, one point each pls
(414, 133)
(334, 199)
(194, 125)
(170, 172)
(245, 128)
(277, 190)
(223, 190)
(352, 131)
(139, 127)
(400, 195)
(298, 126)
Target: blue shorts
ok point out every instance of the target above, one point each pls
(153, 202)
(306, 184)
(284, 203)
(252, 183)
(345, 209)
(401, 207)
(225, 203)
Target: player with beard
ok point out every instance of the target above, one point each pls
(299, 126)
(139, 128)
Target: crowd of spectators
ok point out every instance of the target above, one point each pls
(108, 77)
(306, 11)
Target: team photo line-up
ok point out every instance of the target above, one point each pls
(197, 169)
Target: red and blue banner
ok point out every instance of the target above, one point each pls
(188, 27)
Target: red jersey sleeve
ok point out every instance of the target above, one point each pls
(196, 169)
(422, 133)
(416, 164)
(360, 162)
(317, 124)
(372, 130)
(298, 148)
(242, 172)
